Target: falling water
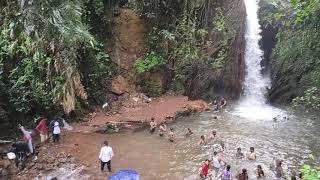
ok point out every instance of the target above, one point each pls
(253, 104)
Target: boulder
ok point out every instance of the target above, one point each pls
(119, 85)
(197, 106)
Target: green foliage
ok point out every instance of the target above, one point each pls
(219, 61)
(310, 100)
(40, 56)
(150, 62)
(219, 22)
(295, 59)
(99, 72)
(310, 173)
(294, 13)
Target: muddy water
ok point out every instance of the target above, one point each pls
(154, 157)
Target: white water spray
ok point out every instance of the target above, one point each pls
(253, 104)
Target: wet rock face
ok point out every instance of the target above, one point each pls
(197, 106)
(234, 70)
(119, 85)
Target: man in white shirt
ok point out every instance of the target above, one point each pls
(105, 156)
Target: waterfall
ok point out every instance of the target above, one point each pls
(253, 103)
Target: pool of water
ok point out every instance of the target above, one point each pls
(294, 140)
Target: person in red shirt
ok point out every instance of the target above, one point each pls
(204, 169)
(43, 130)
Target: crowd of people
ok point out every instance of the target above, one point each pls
(218, 165)
(24, 147)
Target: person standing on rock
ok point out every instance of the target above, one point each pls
(153, 125)
(43, 130)
(105, 156)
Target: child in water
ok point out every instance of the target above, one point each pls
(226, 175)
(162, 129)
(202, 140)
(204, 169)
(260, 173)
(252, 155)
(189, 132)
(212, 135)
(221, 147)
(153, 125)
(279, 170)
(239, 153)
(171, 135)
(243, 175)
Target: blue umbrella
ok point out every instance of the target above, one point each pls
(124, 175)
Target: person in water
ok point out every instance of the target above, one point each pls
(204, 169)
(171, 135)
(162, 129)
(189, 132)
(153, 125)
(212, 135)
(202, 140)
(216, 159)
(215, 105)
(222, 147)
(105, 156)
(260, 173)
(223, 102)
(243, 175)
(252, 155)
(279, 170)
(239, 154)
(226, 174)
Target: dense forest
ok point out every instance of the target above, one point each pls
(58, 57)
(294, 60)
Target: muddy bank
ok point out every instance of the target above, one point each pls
(135, 110)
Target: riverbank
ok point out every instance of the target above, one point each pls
(135, 110)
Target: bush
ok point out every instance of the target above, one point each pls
(150, 62)
(310, 173)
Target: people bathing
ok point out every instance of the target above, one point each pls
(260, 173)
(202, 140)
(189, 132)
(171, 135)
(226, 174)
(153, 125)
(279, 170)
(105, 156)
(243, 175)
(204, 169)
(216, 159)
(239, 154)
(162, 129)
(212, 135)
(252, 155)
